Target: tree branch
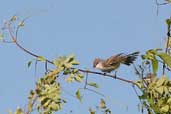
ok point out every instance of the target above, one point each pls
(14, 39)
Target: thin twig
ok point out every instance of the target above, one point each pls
(159, 4)
(35, 70)
(46, 67)
(86, 81)
(19, 26)
(33, 103)
(93, 91)
(136, 93)
(167, 45)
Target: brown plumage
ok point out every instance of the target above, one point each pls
(113, 62)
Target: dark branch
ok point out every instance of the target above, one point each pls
(14, 39)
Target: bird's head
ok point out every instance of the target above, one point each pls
(96, 61)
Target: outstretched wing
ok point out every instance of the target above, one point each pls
(114, 60)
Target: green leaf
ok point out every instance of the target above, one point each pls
(19, 111)
(155, 65)
(168, 21)
(41, 58)
(140, 84)
(78, 95)
(102, 104)
(59, 61)
(161, 81)
(13, 18)
(1, 36)
(68, 65)
(93, 84)
(69, 79)
(165, 109)
(70, 58)
(166, 58)
(29, 64)
(153, 51)
(78, 78)
(74, 62)
(169, 89)
(108, 111)
(160, 89)
(92, 111)
(30, 106)
(9, 112)
(169, 100)
(21, 24)
(166, 90)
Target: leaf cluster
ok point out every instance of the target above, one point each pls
(156, 97)
(102, 107)
(66, 64)
(153, 55)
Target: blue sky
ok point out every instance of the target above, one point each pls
(87, 28)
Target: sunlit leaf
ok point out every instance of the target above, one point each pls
(140, 84)
(60, 61)
(41, 58)
(70, 58)
(78, 95)
(78, 78)
(166, 90)
(168, 21)
(160, 89)
(1, 37)
(9, 112)
(166, 58)
(68, 65)
(169, 1)
(93, 84)
(154, 65)
(102, 104)
(74, 62)
(168, 43)
(161, 81)
(165, 109)
(21, 24)
(92, 111)
(13, 18)
(19, 111)
(169, 100)
(70, 79)
(30, 106)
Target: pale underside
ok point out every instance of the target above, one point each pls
(107, 68)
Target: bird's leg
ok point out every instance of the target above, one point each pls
(115, 74)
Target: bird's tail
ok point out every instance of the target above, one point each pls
(131, 58)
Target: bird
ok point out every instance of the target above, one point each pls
(112, 63)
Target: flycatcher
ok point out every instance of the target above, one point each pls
(113, 62)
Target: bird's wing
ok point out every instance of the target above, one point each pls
(116, 59)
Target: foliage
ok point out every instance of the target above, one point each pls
(156, 95)
(151, 55)
(101, 107)
(47, 95)
(46, 98)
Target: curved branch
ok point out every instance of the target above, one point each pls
(14, 39)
